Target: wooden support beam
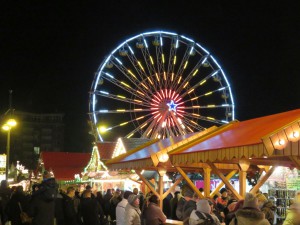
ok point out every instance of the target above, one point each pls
(135, 181)
(217, 189)
(172, 187)
(190, 183)
(207, 181)
(226, 182)
(262, 180)
(161, 190)
(296, 161)
(146, 182)
(242, 181)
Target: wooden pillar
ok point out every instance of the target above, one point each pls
(161, 190)
(146, 182)
(190, 183)
(244, 166)
(242, 181)
(228, 177)
(207, 181)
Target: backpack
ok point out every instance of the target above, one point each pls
(207, 218)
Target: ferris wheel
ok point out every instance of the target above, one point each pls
(156, 85)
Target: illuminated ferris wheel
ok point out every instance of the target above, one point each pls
(159, 84)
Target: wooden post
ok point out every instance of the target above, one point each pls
(146, 182)
(190, 183)
(242, 181)
(262, 180)
(229, 175)
(244, 165)
(161, 190)
(172, 187)
(226, 182)
(207, 181)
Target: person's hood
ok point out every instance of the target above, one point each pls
(269, 205)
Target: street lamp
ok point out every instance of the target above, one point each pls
(7, 127)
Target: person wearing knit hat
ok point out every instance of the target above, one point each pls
(267, 207)
(250, 213)
(132, 211)
(120, 209)
(203, 214)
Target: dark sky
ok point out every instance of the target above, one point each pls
(50, 51)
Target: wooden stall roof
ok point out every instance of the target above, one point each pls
(235, 140)
(65, 164)
(106, 149)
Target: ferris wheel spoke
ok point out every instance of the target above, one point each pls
(122, 98)
(183, 65)
(160, 58)
(126, 87)
(192, 74)
(199, 84)
(110, 111)
(205, 118)
(128, 74)
(172, 60)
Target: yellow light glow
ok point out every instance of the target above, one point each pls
(172, 76)
(179, 79)
(193, 122)
(196, 71)
(196, 106)
(138, 109)
(125, 84)
(194, 114)
(137, 100)
(150, 80)
(141, 65)
(130, 135)
(210, 118)
(151, 60)
(6, 127)
(185, 65)
(163, 58)
(144, 86)
(211, 106)
(208, 93)
(202, 82)
(174, 62)
(11, 122)
(122, 124)
(102, 129)
(120, 110)
(192, 99)
(190, 90)
(185, 84)
(140, 92)
(143, 125)
(157, 78)
(140, 118)
(165, 77)
(129, 71)
(120, 96)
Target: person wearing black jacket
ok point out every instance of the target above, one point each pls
(70, 215)
(90, 210)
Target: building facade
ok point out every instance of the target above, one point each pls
(33, 134)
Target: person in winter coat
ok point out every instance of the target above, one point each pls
(90, 209)
(173, 205)
(132, 211)
(113, 204)
(292, 215)
(18, 202)
(42, 203)
(250, 213)
(153, 215)
(267, 207)
(120, 209)
(106, 199)
(189, 206)
(204, 208)
(70, 215)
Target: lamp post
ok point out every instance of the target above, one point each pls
(7, 127)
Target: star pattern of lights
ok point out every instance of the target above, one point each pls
(159, 84)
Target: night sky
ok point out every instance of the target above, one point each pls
(50, 51)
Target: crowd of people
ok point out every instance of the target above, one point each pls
(46, 205)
